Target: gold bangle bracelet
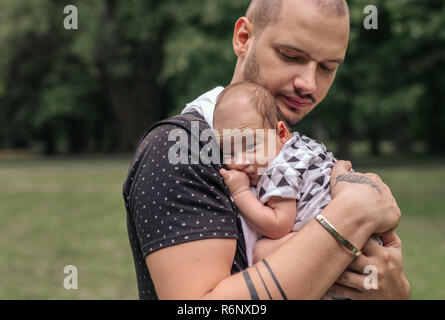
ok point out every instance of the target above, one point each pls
(330, 228)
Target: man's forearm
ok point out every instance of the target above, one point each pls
(305, 266)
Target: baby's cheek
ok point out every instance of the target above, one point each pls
(261, 161)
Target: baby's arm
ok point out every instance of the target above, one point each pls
(273, 220)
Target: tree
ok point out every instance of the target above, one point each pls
(131, 63)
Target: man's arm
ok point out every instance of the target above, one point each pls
(191, 270)
(391, 282)
(265, 246)
(201, 269)
(387, 259)
(303, 268)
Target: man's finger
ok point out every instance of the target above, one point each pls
(371, 247)
(345, 292)
(341, 167)
(374, 177)
(352, 280)
(390, 239)
(359, 264)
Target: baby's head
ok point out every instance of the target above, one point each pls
(250, 128)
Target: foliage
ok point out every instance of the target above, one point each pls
(134, 62)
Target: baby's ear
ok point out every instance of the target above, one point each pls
(282, 132)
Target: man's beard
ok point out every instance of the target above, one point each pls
(252, 73)
(251, 70)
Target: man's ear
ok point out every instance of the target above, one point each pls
(282, 132)
(243, 33)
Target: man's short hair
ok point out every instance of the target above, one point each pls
(263, 13)
(259, 98)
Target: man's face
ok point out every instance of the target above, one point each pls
(297, 58)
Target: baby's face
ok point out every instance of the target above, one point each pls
(247, 145)
(250, 151)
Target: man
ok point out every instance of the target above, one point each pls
(185, 232)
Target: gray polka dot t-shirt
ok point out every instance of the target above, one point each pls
(169, 204)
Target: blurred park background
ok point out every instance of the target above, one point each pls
(74, 103)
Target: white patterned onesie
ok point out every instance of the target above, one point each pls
(301, 171)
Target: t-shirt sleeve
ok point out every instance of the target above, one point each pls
(176, 203)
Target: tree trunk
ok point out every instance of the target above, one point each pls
(136, 98)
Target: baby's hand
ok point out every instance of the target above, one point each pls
(236, 181)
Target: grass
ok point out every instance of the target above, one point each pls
(419, 189)
(58, 212)
(64, 212)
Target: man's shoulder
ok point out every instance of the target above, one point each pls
(184, 121)
(158, 133)
(160, 143)
(160, 152)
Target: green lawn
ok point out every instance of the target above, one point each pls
(62, 212)
(420, 193)
(55, 213)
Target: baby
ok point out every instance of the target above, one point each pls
(290, 172)
(278, 180)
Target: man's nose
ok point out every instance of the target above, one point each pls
(306, 82)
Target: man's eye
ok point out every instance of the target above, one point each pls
(250, 147)
(290, 58)
(326, 69)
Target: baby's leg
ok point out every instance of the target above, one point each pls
(265, 246)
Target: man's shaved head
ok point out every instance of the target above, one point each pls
(337, 7)
(279, 43)
(263, 13)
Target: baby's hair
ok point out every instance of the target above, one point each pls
(259, 98)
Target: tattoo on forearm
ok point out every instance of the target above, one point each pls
(264, 283)
(250, 286)
(275, 279)
(355, 178)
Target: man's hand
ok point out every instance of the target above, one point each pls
(368, 195)
(387, 260)
(236, 181)
(376, 203)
